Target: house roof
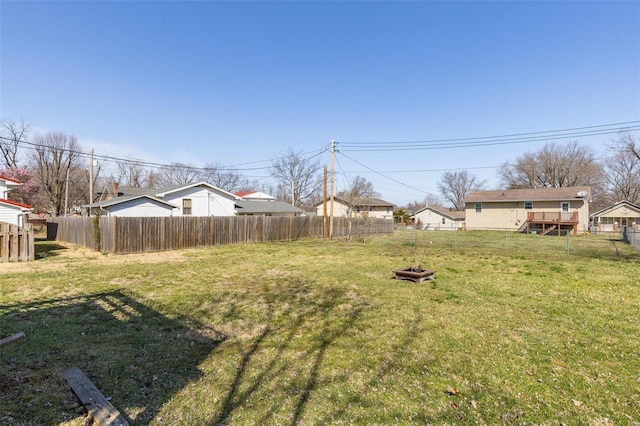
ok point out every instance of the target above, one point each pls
(451, 214)
(615, 206)
(530, 194)
(361, 202)
(161, 192)
(9, 180)
(262, 207)
(175, 188)
(130, 190)
(255, 195)
(15, 204)
(126, 198)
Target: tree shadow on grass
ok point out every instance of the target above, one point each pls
(320, 317)
(44, 248)
(133, 354)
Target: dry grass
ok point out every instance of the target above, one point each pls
(318, 332)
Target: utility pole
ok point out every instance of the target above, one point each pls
(91, 178)
(333, 175)
(66, 194)
(325, 229)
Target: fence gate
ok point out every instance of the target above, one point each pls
(16, 243)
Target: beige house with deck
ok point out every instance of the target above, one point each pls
(533, 210)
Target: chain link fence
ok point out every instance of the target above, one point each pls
(633, 238)
(515, 243)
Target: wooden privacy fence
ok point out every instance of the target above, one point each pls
(144, 234)
(16, 243)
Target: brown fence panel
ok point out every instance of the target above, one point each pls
(75, 230)
(16, 243)
(146, 234)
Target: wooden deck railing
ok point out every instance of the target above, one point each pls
(552, 217)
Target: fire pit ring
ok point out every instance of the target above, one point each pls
(417, 275)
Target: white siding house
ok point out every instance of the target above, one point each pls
(621, 216)
(11, 211)
(199, 199)
(7, 184)
(134, 206)
(438, 219)
(194, 199)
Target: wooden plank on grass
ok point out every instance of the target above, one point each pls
(11, 339)
(98, 407)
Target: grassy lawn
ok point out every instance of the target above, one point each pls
(515, 329)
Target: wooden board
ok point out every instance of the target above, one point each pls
(98, 407)
(11, 339)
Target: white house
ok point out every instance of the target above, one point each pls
(358, 207)
(11, 211)
(7, 184)
(621, 216)
(198, 199)
(438, 219)
(192, 199)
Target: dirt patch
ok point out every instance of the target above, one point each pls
(69, 254)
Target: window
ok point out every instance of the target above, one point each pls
(443, 221)
(564, 206)
(186, 206)
(478, 207)
(528, 205)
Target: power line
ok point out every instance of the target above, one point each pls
(383, 175)
(589, 131)
(133, 161)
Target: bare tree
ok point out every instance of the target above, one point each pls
(622, 177)
(455, 186)
(296, 175)
(433, 200)
(222, 177)
(12, 134)
(430, 200)
(554, 166)
(359, 187)
(627, 142)
(178, 174)
(131, 172)
(56, 163)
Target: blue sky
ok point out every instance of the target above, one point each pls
(241, 82)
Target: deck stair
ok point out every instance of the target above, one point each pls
(549, 229)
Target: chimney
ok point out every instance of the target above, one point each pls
(115, 189)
